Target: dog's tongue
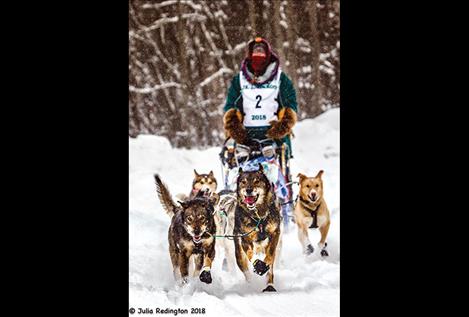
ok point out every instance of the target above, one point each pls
(250, 199)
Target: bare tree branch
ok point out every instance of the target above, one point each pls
(149, 90)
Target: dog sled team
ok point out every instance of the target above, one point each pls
(247, 218)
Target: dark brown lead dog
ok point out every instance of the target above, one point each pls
(257, 221)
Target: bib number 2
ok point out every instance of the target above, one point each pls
(259, 98)
(258, 117)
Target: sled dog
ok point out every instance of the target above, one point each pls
(257, 225)
(207, 183)
(311, 212)
(190, 234)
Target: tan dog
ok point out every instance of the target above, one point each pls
(207, 183)
(311, 212)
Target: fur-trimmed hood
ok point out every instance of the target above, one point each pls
(271, 69)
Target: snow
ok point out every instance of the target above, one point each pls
(159, 5)
(217, 74)
(171, 2)
(306, 69)
(307, 286)
(326, 69)
(283, 24)
(148, 90)
(238, 48)
(193, 17)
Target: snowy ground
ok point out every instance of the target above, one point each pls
(306, 286)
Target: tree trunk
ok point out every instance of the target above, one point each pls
(291, 37)
(252, 17)
(316, 62)
(278, 31)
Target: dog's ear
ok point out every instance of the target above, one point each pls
(319, 174)
(240, 170)
(261, 168)
(195, 173)
(301, 177)
(210, 174)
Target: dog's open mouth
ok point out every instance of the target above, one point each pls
(205, 193)
(197, 239)
(250, 201)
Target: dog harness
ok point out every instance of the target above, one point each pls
(313, 212)
(261, 234)
(260, 103)
(197, 249)
(261, 222)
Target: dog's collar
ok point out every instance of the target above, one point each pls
(306, 204)
(197, 249)
(313, 212)
(259, 219)
(260, 226)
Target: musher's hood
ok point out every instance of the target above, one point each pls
(271, 68)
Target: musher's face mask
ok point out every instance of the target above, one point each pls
(258, 58)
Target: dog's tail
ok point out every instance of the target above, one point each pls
(182, 197)
(165, 197)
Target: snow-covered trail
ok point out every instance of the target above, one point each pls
(306, 286)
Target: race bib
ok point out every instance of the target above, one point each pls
(260, 103)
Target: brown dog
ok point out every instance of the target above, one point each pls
(311, 212)
(190, 234)
(257, 226)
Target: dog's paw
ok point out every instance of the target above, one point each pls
(260, 267)
(205, 277)
(323, 249)
(309, 249)
(324, 252)
(269, 288)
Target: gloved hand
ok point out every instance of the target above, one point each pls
(234, 128)
(282, 127)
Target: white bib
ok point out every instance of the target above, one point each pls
(260, 102)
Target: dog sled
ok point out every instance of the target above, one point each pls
(275, 163)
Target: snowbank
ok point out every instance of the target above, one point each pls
(306, 286)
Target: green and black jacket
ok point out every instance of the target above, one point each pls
(286, 98)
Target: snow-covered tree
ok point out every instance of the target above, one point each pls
(183, 54)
